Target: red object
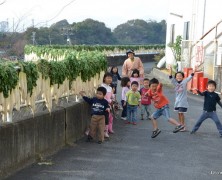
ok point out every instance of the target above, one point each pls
(189, 84)
(203, 84)
(196, 81)
(186, 72)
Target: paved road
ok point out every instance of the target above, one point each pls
(132, 155)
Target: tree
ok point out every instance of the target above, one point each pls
(141, 32)
(44, 36)
(90, 31)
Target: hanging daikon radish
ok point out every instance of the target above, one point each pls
(66, 87)
(17, 98)
(78, 84)
(23, 86)
(31, 101)
(73, 88)
(39, 85)
(48, 96)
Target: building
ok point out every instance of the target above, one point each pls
(199, 22)
(3, 26)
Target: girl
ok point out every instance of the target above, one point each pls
(125, 83)
(107, 80)
(116, 77)
(136, 77)
(181, 103)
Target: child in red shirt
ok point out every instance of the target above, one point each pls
(145, 100)
(161, 103)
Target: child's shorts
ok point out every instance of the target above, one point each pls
(180, 109)
(165, 111)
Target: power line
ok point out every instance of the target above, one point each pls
(3, 2)
(61, 10)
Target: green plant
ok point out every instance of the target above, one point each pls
(58, 72)
(176, 48)
(61, 50)
(43, 68)
(30, 69)
(8, 78)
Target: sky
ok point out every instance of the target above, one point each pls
(25, 13)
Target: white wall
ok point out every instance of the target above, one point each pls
(193, 11)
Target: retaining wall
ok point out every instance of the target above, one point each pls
(22, 142)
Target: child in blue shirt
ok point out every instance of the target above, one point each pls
(211, 99)
(99, 107)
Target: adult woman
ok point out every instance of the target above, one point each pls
(132, 63)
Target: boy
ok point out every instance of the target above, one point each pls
(161, 103)
(145, 100)
(209, 109)
(99, 106)
(133, 101)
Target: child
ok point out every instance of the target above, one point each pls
(133, 100)
(107, 80)
(99, 106)
(116, 77)
(145, 100)
(161, 103)
(125, 83)
(181, 103)
(136, 77)
(209, 109)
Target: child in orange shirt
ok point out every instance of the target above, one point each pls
(161, 103)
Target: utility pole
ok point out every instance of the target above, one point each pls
(33, 25)
(50, 40)
(33, 38)
(67, 33)
(13, 25)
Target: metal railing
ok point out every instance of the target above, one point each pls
(194, 52)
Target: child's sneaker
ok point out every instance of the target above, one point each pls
(183, 130)
(100, 142)
(106, 135)
(178, 128)
(89, 138)
(192, 132)
(134, 123)
(155, 133)
(127, 122)
(123, 118)
(111, 132)
(87, 132)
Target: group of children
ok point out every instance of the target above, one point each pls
(133, 96)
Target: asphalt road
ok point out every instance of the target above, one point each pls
(131, 154)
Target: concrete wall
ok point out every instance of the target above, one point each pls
(118, 60)
(23, 141)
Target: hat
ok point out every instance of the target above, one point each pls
(130, 51)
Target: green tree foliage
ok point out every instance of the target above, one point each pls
(141, 32)
(45, 36)
(60, 24)
(90, 31)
